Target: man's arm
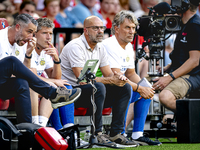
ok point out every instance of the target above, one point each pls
(191, 63)
(109, 76)
(133, 77)
(54, 72)
(57, 82)
(30, 47)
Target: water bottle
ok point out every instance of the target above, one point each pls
(87, 136)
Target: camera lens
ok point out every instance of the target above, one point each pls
(172, 23)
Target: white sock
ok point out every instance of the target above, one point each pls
(43, 121)
(68, 125)
(35, 119)
(136, 135)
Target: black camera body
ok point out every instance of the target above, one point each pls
(157, 23)
(154, 28)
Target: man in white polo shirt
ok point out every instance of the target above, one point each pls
(112, 88)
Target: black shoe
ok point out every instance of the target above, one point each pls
(143, 140)
(65, 97)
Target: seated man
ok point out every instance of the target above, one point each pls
(112, 88)
(18, 87)
(18, 41)
(184, 69)
(45, 60)
(121, 59)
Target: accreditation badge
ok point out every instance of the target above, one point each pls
(42, 62)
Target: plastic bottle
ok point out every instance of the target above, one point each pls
(87, 136)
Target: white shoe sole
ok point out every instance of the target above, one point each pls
(120, 145)
(65, 103)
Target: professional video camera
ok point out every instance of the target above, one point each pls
(154, 28)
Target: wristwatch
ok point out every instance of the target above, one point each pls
(172, 76)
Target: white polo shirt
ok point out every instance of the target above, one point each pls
(41, 62)
(6, 49)
(76, 53)
(119, 57)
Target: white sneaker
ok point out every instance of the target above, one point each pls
(82, 142)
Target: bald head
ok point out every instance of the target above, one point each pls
(92, 21)
(93, 30)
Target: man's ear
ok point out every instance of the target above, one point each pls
(116, 29)
(17, 27)
(85, 31)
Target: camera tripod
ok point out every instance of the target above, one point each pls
(89, 76)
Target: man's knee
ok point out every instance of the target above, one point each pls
(128, 89)
(22, 83)
(101, 89)
(164, 96)
(11, 59)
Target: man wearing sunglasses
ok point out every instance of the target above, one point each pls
(112, 89)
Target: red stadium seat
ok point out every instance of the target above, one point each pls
(82, 111)
(3, 104)
(3, 23)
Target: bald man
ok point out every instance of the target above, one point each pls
(112, 89)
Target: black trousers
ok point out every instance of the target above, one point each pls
(106, 96)
(18, 87)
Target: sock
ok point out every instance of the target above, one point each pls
(67, 111)
(35, 119)
(55, 119)
(43, 121)
(141, 108)
(136, 135)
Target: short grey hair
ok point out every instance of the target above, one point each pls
(120, 17)
(24, 19)
(44, 22)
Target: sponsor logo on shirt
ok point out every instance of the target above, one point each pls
(184, 37)
(184, 40)
(36, 63)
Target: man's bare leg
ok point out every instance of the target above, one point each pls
(45, 110)
(34, 106)
(168, 100)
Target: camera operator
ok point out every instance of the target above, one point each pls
(184, 70)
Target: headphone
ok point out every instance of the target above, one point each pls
(185, 5)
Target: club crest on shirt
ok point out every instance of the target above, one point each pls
(16, 52)
(127, 59)
(42, 62)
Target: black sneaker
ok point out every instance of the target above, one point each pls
(104, 139)
(65, 97)
(123, 141)
(143, 140)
